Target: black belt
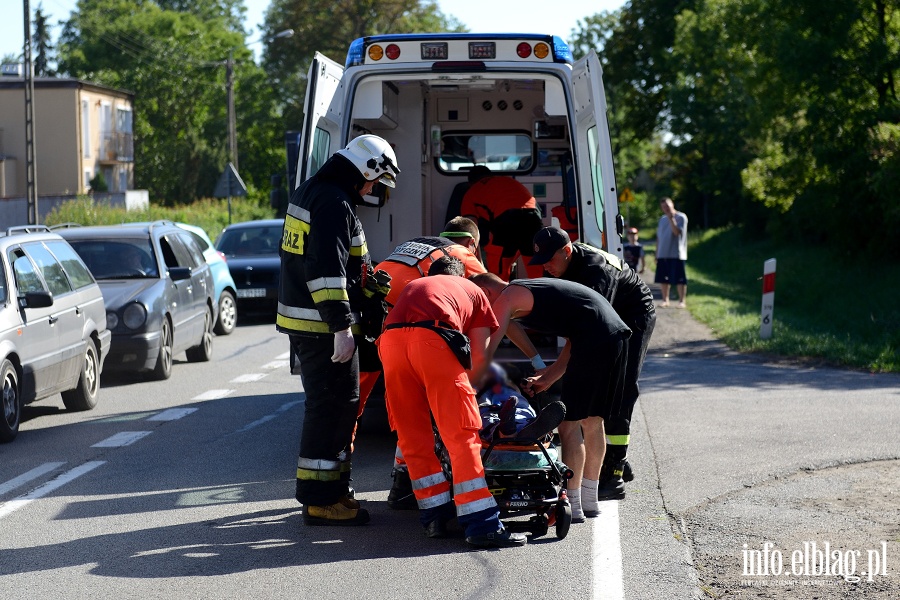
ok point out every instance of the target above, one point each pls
(424, 324)
(456, 340)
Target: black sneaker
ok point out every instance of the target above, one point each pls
(437, 529)
(549, 419)
(502, 538)
(401, 495)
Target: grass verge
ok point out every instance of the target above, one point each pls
(210, 214)
(839, 309)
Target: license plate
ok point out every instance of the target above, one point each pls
(252, 293)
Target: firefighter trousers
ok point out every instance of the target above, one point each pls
(422, 378)
(618, 426)
(332, 399)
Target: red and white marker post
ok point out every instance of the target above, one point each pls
(768, 299)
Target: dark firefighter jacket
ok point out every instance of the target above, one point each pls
(607, 274)
(323, 252)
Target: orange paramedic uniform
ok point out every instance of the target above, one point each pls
(409, 261)
(508, 217)
(423, 377)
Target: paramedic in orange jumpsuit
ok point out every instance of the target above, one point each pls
(463, 233)
(507, 216)
(409, 261)
(424, 377)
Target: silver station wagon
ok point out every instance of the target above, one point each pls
(53, 335)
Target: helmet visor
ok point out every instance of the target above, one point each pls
(388, 179)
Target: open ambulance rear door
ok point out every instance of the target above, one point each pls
(322, 125)
(599, 211)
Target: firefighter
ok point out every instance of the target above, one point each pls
(432, 348)
(507, 216)
(591, 365)
(409, 261)
(633, 301)
(323, 259)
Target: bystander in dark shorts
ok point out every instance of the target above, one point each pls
(587, 389)
(670, 270)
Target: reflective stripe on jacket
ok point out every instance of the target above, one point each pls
(323, 251)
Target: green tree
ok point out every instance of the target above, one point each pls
(329, 27)
(40, 40)
(174, 63)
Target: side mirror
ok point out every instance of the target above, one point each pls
(179, 273)
(36, 300)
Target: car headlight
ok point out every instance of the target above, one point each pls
(134, 316)
(112, 320)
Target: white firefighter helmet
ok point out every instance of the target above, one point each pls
(374, 158)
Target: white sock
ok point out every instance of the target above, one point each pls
(589, 497)
(574, 496)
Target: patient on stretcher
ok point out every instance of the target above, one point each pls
(506, 413)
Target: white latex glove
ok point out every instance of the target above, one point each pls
(343, 346)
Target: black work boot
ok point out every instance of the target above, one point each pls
(627, 473)
(401, 495)
(611, 486)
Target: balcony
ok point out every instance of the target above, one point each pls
(116, 147)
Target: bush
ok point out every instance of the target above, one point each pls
(210, 214)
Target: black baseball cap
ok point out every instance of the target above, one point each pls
(547, 242)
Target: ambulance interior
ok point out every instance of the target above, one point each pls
(442, 125)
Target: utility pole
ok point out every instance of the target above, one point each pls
(232, 122)
(30, 168)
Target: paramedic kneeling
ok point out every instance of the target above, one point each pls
(427, 371)
(591, 365)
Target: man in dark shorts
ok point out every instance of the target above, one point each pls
(591, 365)
(633, 302)
(671, 252)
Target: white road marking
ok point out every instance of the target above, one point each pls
(124, 438)
(173, 414)
(212, 395)
(607, 553)
(248, 378)
(277, 364)
(285, 356)
(26, 477)
(267, 418)
(40, 492)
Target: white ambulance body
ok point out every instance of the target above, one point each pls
(513, 102)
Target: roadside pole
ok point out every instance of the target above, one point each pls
(768, 299)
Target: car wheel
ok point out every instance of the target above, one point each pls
(163, 369)
(85, 394)
(227, 314)
(203, 351)
(12, 402)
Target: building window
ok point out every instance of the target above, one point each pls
(87, 179)
(86, 128)
(107, 152)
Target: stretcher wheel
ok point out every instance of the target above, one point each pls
(563, 519)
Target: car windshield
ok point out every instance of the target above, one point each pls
(250, 241)
(117, 259)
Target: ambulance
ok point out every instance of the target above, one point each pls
(516, 103)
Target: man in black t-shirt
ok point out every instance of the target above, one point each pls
(633, 301)
(591, 365)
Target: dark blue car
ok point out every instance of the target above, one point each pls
(251, 249)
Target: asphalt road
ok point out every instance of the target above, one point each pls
(728, 451)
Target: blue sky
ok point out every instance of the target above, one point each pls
(501, 16)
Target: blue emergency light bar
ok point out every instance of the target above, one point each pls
(356, 53)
